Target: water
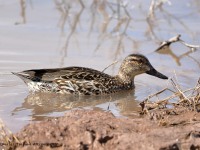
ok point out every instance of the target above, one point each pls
(49, 34)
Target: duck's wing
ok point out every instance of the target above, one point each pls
(84, 81)
(69, 73)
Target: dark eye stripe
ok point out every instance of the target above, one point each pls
(132, 59)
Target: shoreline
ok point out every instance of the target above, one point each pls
(163, 129)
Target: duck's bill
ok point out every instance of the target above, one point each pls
(155, 73)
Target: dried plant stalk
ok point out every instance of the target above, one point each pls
(176, 39)
(190, 101)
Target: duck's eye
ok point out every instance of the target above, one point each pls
(136, 60)
(140, 60)
(132, 59)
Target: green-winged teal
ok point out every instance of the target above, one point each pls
(86, 81)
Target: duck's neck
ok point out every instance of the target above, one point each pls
(125, 78)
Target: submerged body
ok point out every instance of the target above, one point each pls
(86, 81)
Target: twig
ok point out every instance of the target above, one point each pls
(177, 87)
(176, 39)
(193, 47)
(168, 42)
(110, 65)
(157, 93)
(108, 108)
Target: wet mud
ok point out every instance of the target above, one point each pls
(163, 129)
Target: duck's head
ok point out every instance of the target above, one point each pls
(136, 64)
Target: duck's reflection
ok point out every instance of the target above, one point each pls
(43, 105)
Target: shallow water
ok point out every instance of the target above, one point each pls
(48, 34)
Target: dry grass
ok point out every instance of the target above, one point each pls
(7, 139)
(189, 98)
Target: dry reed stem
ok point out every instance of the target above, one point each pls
(190, 101)
(177, 39)
(110, 65)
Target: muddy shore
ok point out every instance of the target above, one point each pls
(164, 129)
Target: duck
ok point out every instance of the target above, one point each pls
(86, 81)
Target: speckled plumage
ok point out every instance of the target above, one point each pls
(86, 81)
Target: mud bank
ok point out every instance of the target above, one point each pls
(163, 129)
